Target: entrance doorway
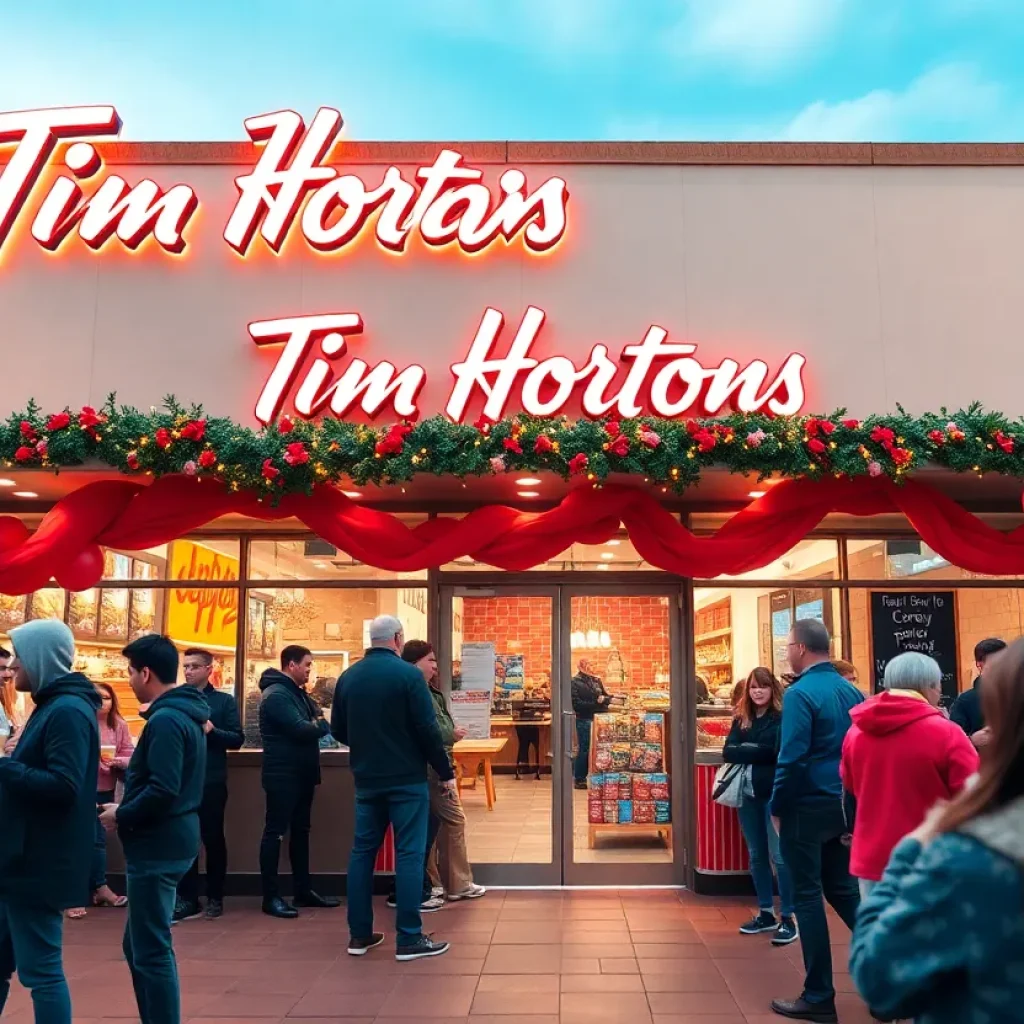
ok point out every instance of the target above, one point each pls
(539, 811)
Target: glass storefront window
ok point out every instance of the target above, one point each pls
(332, 623)
(903, 558)
(207, 559)
(812, 559)
(616, 554)
(736, 629)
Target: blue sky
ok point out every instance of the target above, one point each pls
(882, 70)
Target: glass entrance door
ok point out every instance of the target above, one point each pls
(623, 783)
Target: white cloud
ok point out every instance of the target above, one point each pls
(755, 35)
(945, 102)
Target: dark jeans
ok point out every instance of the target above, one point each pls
(30, 942)
(211, 829)
(289, 809)
(764, 850)
(152, 891)
(406, 809)
(819, 862)
(98, 872)
(582, 761)
(528, 736)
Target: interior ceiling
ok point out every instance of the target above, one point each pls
(716, 489)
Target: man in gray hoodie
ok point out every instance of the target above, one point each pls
(48, 811)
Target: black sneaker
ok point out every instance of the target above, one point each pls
(392, 902)
(425, 947)
(360, 947)
(214, 909)
(764, 922)
(186, 910)
(800, 1009)
(579, 785)
(786, 932)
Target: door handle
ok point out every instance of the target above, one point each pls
(567, 718)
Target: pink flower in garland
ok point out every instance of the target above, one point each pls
(42, 446)
(497, 464)
(755, 437)
(648, 437)
(190, 468)
(874, 468)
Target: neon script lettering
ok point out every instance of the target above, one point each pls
(209, 603)
(445, 203)
(663, 378)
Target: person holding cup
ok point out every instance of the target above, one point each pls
(116, 748)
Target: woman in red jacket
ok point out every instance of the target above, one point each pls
(900, 757)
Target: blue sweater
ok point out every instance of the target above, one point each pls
(941, 938)
(815, 720)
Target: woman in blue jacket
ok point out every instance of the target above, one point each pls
(941, 937)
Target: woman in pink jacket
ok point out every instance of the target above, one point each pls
(116, 749)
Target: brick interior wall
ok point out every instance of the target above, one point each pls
(522, 625)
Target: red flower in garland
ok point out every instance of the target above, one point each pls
(620, 446)
(827, 427)
(483, 424)
(28, 432)
(163, 439)
(612, 428)
(511, 444)
(883, 436)
(24, 454)
(393, 441)
(817, 446)
(285, 425)
(901, 456)
(133, 460)
(58, 421)
(705, 439)
(692, 427)
(578, 464)
(89, 418)
(1004, 442)
(208, 458)
(811, 426)
(194, 430)
(936, 437)
(269, 471)
(851, 424)
(296, 454)
(543, 444)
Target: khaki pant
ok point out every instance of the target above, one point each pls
(448, 864)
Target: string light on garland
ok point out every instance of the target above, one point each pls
(296, 456)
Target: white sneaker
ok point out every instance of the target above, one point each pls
(474, 892)
(437, 891)
(429, 906)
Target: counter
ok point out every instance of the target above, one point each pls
(330, 840)
(720, 859)
(503, 726)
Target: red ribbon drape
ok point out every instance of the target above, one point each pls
(130, 515)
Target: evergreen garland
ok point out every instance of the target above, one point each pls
(292, 456)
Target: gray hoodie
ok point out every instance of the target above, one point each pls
(46, 650)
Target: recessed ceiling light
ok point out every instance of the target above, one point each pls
(352, 494)
(528, 494)
(757, 494)
(612, 543)
(607, 555)
(7, 482)
(603, 566)
(25, 494)
(528, 481)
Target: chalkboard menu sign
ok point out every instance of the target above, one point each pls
(914, 620)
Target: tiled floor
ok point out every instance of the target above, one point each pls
(545, 957)
(518, 829)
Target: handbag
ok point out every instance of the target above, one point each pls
(729, 785)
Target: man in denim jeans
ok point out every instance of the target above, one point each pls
(384, 714)
(158, 819)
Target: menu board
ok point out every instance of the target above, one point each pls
(478, 666)
(914, 620)
(471, 709)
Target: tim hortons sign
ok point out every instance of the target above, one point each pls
(63, 196)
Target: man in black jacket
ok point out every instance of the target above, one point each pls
(157, 820)
(589, 697)
(223, 733)
(384, 713)
(966, 710)
(47, 816)
(291, 726)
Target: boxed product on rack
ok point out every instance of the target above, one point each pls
(625, 812)
(642, 787)
(610, 788)
(651, 757)
(595, 782)
(654, 728)
(662, 812)
(595, 807)
(625, 786)
(659, 787)
(622, 729)
(636, 757)
(604, 728)
(611, 812)
(603, 757)
(620, 757)
(643, 812)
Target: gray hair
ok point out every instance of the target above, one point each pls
(813, 635)
(912, 671)
(383, 630)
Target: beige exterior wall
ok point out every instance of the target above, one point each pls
(899, 284)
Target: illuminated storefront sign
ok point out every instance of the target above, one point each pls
(195, 614)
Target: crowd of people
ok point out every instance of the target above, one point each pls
(909, 821)
(906, 819)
